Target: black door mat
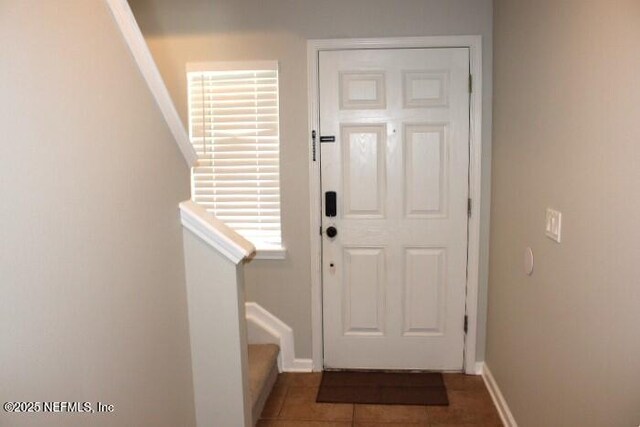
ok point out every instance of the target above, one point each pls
(383, 388)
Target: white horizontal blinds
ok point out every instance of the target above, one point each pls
(233, 120)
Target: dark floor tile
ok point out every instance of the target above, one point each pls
(292, 404)
(457, 382)
(300, 404)
(298, 423)
(310, 379)
(401, 424)
(274, 403)
(465, 407)
(487, 424)
(391, 413)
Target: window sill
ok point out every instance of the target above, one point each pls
(270, 252)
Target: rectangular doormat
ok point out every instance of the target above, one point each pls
(383, 388)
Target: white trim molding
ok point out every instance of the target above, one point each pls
(215, 233)
(479, 368)
(498, 399)
(263, 327)
(138, 46)
(301, 365)
(198, 67)
(271, 253)
(474, 44)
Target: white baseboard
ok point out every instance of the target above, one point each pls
(301, 365)
(265, 328)
(498, 399)
(478, 368)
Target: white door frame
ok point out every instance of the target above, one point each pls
(474, 43)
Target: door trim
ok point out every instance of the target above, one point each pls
(474, 43)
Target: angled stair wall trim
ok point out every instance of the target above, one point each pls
(138, 46)
(265, 328)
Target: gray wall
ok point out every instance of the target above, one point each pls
(564, 344)
(200, 30)
(93, 303)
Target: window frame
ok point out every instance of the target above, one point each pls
(263, 251)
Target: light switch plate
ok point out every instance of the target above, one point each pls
(554, 224)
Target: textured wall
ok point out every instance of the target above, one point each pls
(235, 30)
(564, 344)
(93, 303)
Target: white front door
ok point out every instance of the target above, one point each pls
(394, 276)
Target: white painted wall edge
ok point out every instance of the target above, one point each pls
(263, 327)
(215, 233)
(498, 399)
(138, 46)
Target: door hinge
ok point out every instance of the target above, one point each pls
(466, 323)
(469, 206)
(321, 230)
(470, 83)
(313, 144)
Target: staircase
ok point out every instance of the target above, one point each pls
(263, 373)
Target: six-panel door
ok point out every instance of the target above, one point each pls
(394, 276)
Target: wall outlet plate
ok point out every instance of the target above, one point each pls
(553, 226)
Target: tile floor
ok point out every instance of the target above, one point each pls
(293, 404)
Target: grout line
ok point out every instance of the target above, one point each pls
(353, 416)
(287, 387)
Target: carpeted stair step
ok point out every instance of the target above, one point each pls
(263, 373)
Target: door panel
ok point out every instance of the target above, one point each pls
(394, 277)
(362, 90)
(425, 88)
(364, 285)
(425, 167)
(423, 291)
(364, 178)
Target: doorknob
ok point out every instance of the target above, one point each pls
(332, 232)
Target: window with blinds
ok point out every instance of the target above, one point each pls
(233, 126)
